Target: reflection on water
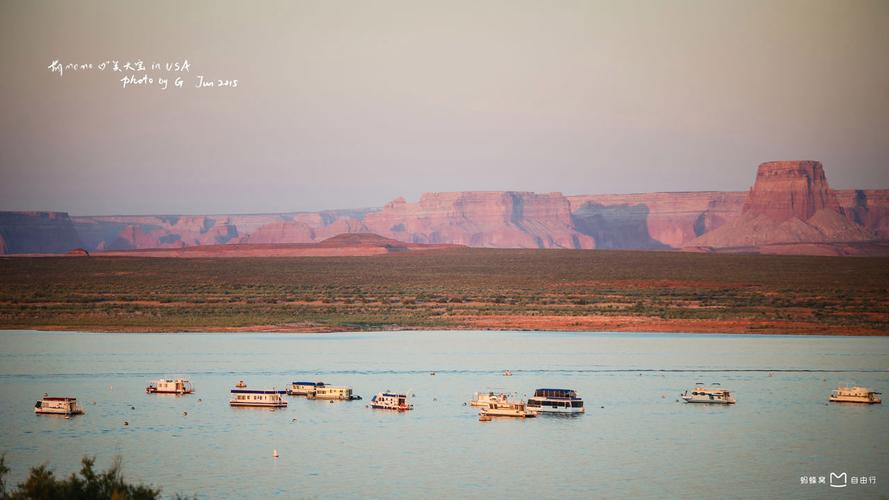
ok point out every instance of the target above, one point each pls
(635, 439)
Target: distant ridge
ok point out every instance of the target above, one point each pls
(353, 244)
(790, 209)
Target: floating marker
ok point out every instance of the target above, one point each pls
(275, 453)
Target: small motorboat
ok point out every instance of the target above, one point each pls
(507, 373)
(482, 399)
(712, 395)
(508, 409)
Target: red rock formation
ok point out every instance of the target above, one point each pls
(790, 203)
(482, 219)
(359, 244)
(786, 189)
(653, 220)
(867, 207)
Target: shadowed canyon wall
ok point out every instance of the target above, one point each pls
(790, 203)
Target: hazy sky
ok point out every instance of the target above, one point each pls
(350, 104)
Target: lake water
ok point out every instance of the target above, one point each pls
(635, 440)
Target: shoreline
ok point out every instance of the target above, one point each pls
(645, 328)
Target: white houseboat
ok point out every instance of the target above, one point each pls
(167, 386)
(556, 401)
(257, 398)
(303, 388)
(390, 401)
(713, 395)
(333, 392)
(508, 409)
(484, 398)
(57, 406)
(855, 395)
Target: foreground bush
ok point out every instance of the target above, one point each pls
(42, 484)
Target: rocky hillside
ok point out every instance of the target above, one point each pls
(37, 232)
(790, 204)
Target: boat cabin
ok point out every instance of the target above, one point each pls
(57, 406)
(259, 398)
(338, 392)
(168, 386)
(304, 388)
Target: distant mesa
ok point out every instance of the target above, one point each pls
(790, 209)
(790, 203)
(353, 244)
(788, 189)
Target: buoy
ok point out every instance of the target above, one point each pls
(132, 407)
(275, 453)
(602, 407)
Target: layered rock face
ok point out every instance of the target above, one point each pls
(867, 207)
(790, 202)
(653, 220)
(160, 231)
(37, 232)
(482, 219)
(788, 189)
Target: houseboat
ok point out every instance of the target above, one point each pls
(390, 401)
(303, 388)
(57, 406)
(167, 386)
(483, 398)
(333, 392)
(556, 401)
(712, 395)
(257, 398)
(508, 409)
(855, 395)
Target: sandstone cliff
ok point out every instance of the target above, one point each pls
(37, 232)
(790, 202)
(482, 219)
(653, 220)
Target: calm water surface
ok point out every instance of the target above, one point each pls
(635, 439)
